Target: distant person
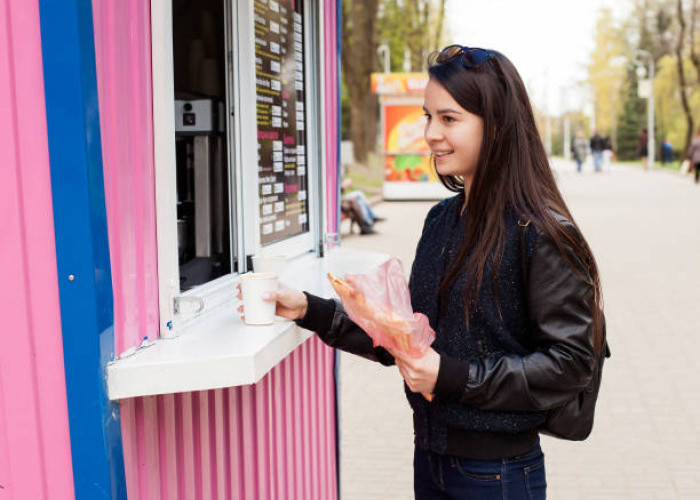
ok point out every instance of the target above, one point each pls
(693, 154)
(506, 279)
(350, 208)
(597, 148)
(666, 152)
(356, 206)
(642, 146)
(367, 212)
(579, 148)
(608, 153)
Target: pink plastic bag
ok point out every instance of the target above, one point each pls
(380, 304)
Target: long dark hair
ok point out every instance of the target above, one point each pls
(513, 173)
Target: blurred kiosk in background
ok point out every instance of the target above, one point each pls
(408, 171)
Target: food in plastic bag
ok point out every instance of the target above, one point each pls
(380, 304)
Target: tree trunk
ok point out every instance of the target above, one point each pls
(681, 78)
(359, 60)
(693, 53)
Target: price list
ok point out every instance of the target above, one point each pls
(279, 78)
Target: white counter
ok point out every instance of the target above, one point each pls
(219, 350)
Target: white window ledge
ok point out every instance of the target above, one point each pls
(219, 350)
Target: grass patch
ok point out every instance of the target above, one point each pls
(369, 177)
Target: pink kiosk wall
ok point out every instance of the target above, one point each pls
(223, 443)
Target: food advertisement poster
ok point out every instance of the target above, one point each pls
(409, 168)
(407, 155)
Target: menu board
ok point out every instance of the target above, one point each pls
(279, 82)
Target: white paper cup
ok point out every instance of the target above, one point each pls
(274, 265)
(256, 310)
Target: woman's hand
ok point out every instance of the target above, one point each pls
(420, 374)
(291, 303)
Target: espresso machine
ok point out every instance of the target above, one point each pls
(202, 189)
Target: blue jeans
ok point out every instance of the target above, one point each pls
(446, 477)
(597, 160)
(365, 207)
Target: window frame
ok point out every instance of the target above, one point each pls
(241, 150)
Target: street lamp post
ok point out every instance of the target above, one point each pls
(643, 54)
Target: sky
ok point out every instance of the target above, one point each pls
(549, 41)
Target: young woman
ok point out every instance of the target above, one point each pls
(507, 281)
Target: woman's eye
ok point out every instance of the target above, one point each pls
(427, 116)
(448, 119)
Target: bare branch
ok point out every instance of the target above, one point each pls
(693, 54)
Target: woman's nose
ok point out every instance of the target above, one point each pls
(432, 133)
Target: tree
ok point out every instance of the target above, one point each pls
(606, 75)
(650, 28)
(682, 77)
(358, 57)
(670, 118)
(416, 26)
(631, 119)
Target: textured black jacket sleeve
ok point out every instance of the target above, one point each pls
(331, 323)
(562, 325)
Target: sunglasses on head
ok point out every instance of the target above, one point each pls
(469, 57)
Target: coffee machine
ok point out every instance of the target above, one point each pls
(202, 189)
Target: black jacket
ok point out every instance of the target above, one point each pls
(499, 376)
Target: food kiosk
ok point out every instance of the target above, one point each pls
(408, 170)
(149, 149)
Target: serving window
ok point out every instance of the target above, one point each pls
(236, 143)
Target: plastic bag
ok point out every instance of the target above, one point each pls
(380, 304)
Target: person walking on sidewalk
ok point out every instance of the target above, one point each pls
(507, 281)
(579, 148)
(693, 155)
(642, 146)
(597, 148)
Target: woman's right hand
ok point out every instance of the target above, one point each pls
(291, 303)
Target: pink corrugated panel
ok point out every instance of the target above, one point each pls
(272, 440)
(35, 453)
(123, 59)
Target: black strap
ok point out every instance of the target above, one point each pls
(523, 250)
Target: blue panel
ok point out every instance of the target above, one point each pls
(82, 248)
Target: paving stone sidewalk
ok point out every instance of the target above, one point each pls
(644, 228)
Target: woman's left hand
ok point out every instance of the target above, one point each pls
(420, 374)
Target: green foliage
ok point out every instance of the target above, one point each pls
(670, 119)
(415, 26)
(558, 139)
(344, 110)
(607, 79)
(393, 32)
(631, 121)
